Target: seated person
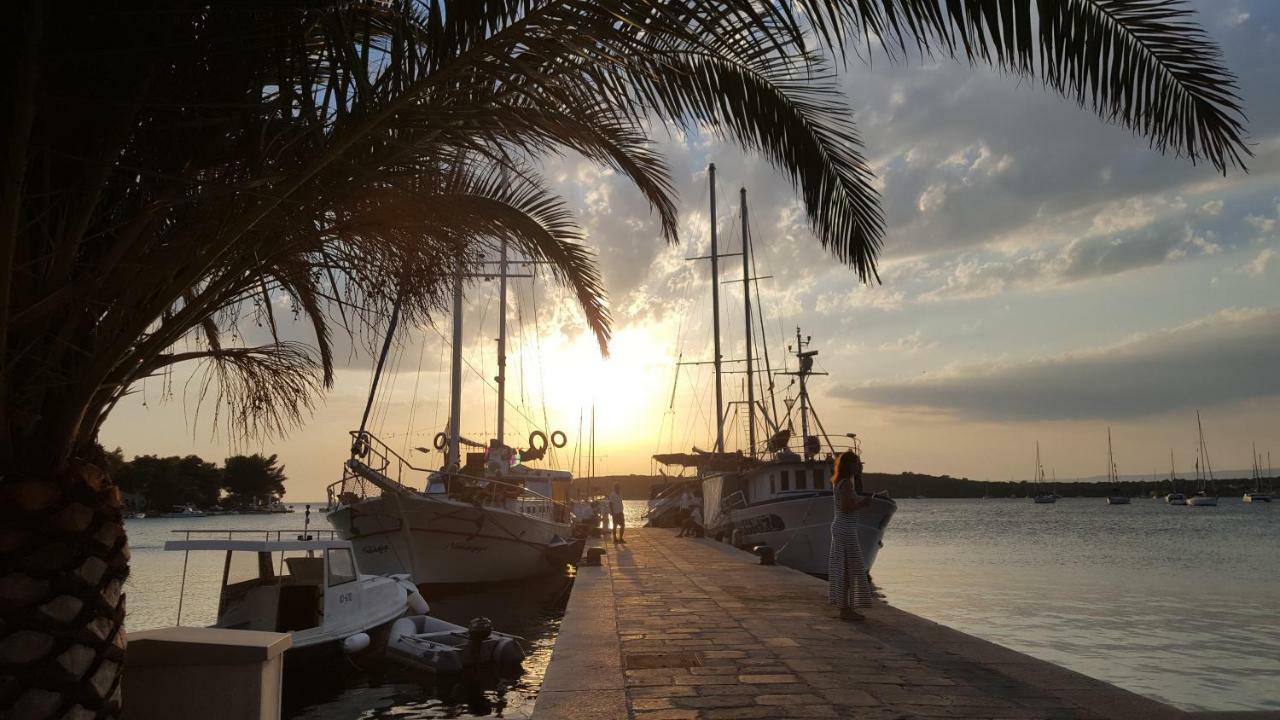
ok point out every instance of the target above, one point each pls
(693, 524)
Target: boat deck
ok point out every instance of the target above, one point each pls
(679, 629)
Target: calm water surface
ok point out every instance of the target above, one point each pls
(1176, 603)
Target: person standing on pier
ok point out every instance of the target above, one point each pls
(848, 583)
(615, 509)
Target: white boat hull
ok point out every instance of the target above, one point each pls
(445, 541)
(1176, 499)
(1256, 498)
(1117, 500)
(798, 530)
(1202, 501)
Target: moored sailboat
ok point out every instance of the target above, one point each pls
(1040, 496)
(1257, 495)
(483, 517)
(1174, 497)
(776, 494)
(1204, 497)
(1113, 477)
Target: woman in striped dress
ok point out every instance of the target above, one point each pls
(848, 584)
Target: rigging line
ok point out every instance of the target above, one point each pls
(377, 374)
(413, 399)
(391, 386)
(512, 406)
(764, 340)
(435, 410)
(542, 380)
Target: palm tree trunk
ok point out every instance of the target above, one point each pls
(63, 561)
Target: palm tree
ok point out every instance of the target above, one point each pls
(172, 169)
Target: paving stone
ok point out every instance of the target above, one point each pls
(771, 648)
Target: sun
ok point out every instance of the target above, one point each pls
(628, 390)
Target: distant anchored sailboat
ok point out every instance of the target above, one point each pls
(1174, 497)
(1041, 497)
(1116, 497)
(1205, 495)
(1257, 495)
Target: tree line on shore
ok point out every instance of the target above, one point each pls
(243, 482)
(911, 484)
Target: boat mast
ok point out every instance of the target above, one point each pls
(1173, 475)
(1112, 475)
(715, 310)
(1204, 453)
(746, 305)
(803, 372)
(382, 359)
(502, 345)
(452, 461)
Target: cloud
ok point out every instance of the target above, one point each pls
(1260, 264)
(1226, 357)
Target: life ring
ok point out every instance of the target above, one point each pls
(440, 441)
(359, 447)
(559, 439)
(535, 446)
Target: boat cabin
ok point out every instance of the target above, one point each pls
(311, 588)
(771, 482)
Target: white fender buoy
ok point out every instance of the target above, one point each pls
(417, 603)
(356, 643)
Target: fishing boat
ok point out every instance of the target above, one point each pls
(1204, 497)
(310, 587)
(486, 516)
(1040, 497)
(776, 494)
(1257, 495)
(1113, 476)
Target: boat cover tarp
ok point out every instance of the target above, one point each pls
(707, 460)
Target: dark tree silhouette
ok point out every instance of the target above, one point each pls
(252, 481)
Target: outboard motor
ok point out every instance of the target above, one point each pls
(479, 630)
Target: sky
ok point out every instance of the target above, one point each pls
(1045, 276)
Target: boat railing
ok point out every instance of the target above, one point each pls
(676, 484)
(735, 501)
(268, 535)
(373, 456)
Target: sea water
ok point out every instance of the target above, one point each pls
(1181, 604)
(1177, 603)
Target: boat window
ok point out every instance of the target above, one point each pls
(342, 568)
(802, 482)
(773, 483)
(785, 485)
(819, 477)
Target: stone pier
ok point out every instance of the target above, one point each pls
(674, 628)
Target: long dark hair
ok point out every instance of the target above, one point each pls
(848, 465)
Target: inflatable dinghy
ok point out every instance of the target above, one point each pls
(426, 643)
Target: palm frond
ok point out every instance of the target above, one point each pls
(1143, 63)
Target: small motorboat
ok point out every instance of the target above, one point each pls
(1176, 498)
(310, 588)
(185, 511)
(426, 643)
